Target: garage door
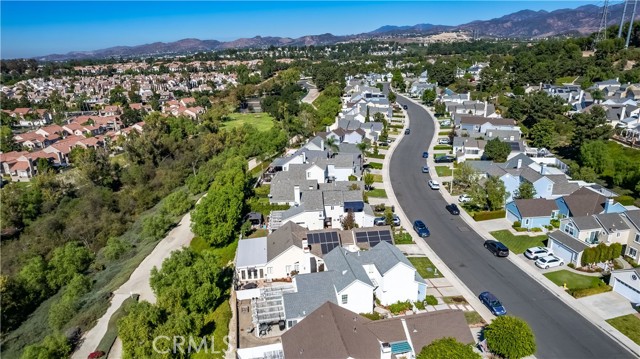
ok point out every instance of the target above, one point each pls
(512, 217)
(627, 291)
(561, 251)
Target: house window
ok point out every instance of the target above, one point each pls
(244, 275)
(261, 273)
(287, 269)
(637, 239)
(618, 235)
(633, 253)
(526, 222)
(569, 229)
(550, 188)
(296, 267)
(269, 270)
(345, 298)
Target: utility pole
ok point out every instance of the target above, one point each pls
(624, 12)
(602, 29)
(633, 15)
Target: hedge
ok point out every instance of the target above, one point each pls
(400, 307)
(486, 215)
(625, 200)
(601, 253)
(431, 300)
(579, 293)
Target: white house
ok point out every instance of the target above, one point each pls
(627, 283)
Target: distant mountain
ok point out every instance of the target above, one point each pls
(522, 24)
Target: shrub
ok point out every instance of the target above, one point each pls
(375, 166)
(446, 348)
(632, 262)
(372, 316)
(353, 178)
(431, 300)
(510, 337)
(155, 226)
(520, 229)
(571, 265)
(419, 305)
(177, 203)
(579, 293)
(536, 229)
(516, 224)
(487, 215)
(625, 200)
(601, 253)
(400, 307)
(555, 223)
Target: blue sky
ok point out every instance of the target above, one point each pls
(30, 28)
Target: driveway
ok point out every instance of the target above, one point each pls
(608, 305)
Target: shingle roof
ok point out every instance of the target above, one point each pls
(584, 202)
(312, 290)
(346, 267)
(568, 241)
(384, 256)
(479, 120)
(537, 207)
(586, 223)
(612, 222)
(634, 217)
(289, 234)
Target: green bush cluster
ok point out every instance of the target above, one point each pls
(375, 166)
(431, 300)
(601, 288)
(601, 253)
(510, 337)
(420, 305)
(487, 215)
(625, 200)
(400, 307)
(372, 316)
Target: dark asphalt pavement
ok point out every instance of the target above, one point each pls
(561, 333)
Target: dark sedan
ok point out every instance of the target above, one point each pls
(492, 303)
(445, 159)
(425, 154)
(421, 228)
(497, 248)
(453, 209)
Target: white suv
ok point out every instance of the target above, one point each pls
(537, 252)
(443, 141)
(434, 184)
(464, 198)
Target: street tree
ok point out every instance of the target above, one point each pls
(496, 193)
(388, 216)
(465, 175)
(510, 337)
(428, 97)
(368, 180)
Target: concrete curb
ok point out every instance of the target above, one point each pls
(468, 295)
(538, 277)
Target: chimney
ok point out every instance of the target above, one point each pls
(519, 164)
(542, 168)
(485, 108)
(305, 245)
(296, 195)
(607, 205)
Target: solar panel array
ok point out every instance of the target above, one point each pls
(327, 241)
(374, 237)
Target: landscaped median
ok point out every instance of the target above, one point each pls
(518, 244)
(578, 285)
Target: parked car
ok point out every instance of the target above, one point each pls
(405, 107)
(445, 159)
(445, 123)
(421, 228)
(407, 131)
(425, 169)
(549, 262)
(453, 209)
(497, 248)
(492, 303)
(443, 141)
(383, 143)
(433, 184)
(425, 154)
(537, 252)
(97, 354)
(464, 198)
(381, 221)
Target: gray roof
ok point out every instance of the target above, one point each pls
(313, 290)
(251, 252)
(289, 234)
(586, 223)
(634, 217)
(537, 207)
(312, 200)
(584, 202)
(383, 256)
(612, 222)
(283, 183)
(333, 198)
(513, 162)
(568, 241)
(346, 268)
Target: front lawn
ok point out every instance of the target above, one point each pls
(628, 325)
(444, 171)
(519, 244)
(444, 133)
(372, 155)
(402, 238)
(573, 280)
(378, 192)
(442, 147)
(374, 165)
(377, 178)
(425, 268)
(262, 121)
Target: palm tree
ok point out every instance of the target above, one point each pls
(332, 143)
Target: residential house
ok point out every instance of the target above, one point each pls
(334, 332)
(532, 213)
(585, 202)
(488, 128)
(626, 282)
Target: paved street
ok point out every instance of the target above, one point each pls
(560, 331)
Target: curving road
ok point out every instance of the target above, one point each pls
(561, 332)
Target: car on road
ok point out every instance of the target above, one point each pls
(425, 154)
(537, 252)
(445, 159)
(492, 303)
(425, 169)
(443, 141)
(549, 262)
(421, 228)
(453, 209)
(405, 107)
(497, 248)
(464, 198)
(407, 131)
(381, 221)
(433, 184)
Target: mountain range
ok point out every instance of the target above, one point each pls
(522, 24)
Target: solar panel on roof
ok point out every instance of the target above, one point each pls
(323, 248)
(311, 238)
(334, 235)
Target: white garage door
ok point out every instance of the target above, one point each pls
(627, 291)
(561, 251)
(512, 217)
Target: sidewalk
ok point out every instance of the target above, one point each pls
(559, 292)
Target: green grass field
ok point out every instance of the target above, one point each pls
(378, 192)
(444, 171)
(377, 178)
(573, 280)
(628, 325)
(518, 244)
(262, 121)
(425, 268)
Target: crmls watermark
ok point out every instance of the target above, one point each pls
(179, 344)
